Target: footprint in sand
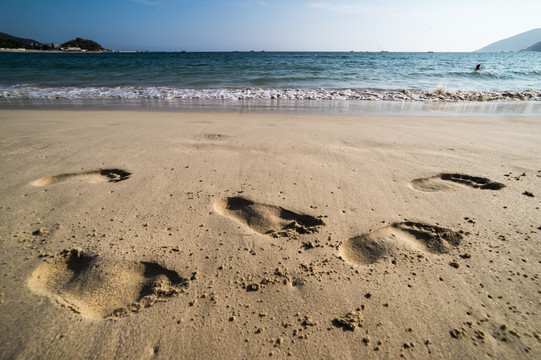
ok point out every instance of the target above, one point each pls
(450, 182)
(95, 176)
(215, 137)
(369, 248)
(267, 219)
(97, 287)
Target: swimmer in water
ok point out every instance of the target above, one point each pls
(478, 67)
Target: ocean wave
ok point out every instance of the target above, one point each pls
(262, 81)
(477, 75)
(169, 93)
(526, 73)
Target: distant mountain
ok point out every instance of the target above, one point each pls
(515, 43)
(534, 47)
(13, 42)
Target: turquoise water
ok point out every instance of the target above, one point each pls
(270, 75)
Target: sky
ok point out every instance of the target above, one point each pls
(273, 25)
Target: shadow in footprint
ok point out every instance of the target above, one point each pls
(369, 248)
(434, 239)
(215, 137)
(95, 176)
(267, 219)
(100, 288)
(449, 182)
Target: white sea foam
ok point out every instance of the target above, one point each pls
(169, 93)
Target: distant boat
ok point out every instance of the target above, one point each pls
(430, 52)
(142, 51)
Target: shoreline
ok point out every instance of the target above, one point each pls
(247, 235)
(300, 107)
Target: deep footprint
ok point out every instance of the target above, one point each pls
(101, 288)
(370, 248)
(434, 238)
(449, 182)
(95, 176)
(267, 219)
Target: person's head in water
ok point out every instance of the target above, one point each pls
(478, 67)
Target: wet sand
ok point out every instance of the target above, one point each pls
(146, 234)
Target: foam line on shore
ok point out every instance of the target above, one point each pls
(169, 93)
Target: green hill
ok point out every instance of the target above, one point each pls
(534, 47)
(13, 42)
(84, 44)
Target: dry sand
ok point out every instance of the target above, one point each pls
(133, 235)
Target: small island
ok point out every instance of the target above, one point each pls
(82, 45)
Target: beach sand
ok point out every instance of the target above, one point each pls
(176, 235)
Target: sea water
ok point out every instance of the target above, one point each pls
(432, 77)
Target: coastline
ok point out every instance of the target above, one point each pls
(284, 106)
(374, 181)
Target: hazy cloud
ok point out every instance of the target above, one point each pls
(342, 7)
(354, 7)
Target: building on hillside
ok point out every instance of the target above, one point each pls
(72, 49)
